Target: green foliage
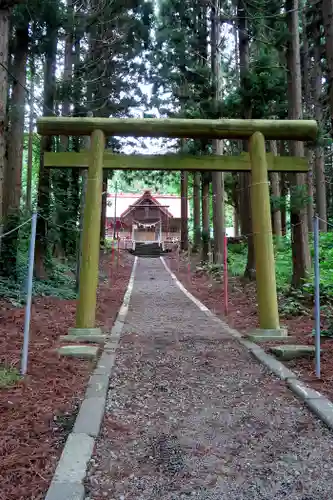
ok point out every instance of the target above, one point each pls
(264, 90)
(61, 283)
(9, 246)
(205, 237)
(118, 34)
(122, 41)
(278, 203)
(326, 266)
(237, 258)
(8, 377)
(158, 181)
(35, 166)
(299, 197)
(327, 314)
(293, 302)
(177, 60)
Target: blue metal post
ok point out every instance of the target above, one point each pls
(317, 291)
(24, 360)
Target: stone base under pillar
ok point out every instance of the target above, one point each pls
(79, 351)
(262, 335)
(270, 338)
(85, 331)
(288, 352)
(84, 335)
(89, 339)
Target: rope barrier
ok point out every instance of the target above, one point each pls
(59, 225)
(326, 222)
(15, 228)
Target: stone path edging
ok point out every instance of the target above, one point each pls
(314, 400)
(67, 482)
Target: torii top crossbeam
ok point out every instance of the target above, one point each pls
(299, 130)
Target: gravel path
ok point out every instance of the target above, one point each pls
(191, 415)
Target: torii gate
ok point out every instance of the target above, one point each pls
(257, 161)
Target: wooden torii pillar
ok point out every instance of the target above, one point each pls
(258, 162)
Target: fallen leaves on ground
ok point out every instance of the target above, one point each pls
(38, 412)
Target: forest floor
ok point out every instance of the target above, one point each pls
(243, 316)
(37, 413)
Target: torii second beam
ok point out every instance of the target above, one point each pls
(239, 163)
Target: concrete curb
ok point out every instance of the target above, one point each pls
(67, 482)
(314, 400)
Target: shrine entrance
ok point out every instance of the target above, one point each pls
(257, 161)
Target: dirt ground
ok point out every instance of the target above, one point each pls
(190, 414)
(242, 316)
(37, 413)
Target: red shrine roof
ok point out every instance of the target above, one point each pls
(168, 202)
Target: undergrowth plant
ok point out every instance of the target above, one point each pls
(292, 302)
(60, 284)
(8, 376)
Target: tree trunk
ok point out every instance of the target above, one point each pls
(68, 73)
(309, 179)
(202, 37)
(62, 183)
(15, 138)
(235, 32)
(217, 146)
(77, 100)
(4, 39)
(103, 208)
(218, 214)
(205, 216)
(236, 211)
(184, 211)
(236, 222)
(245, 203)
(327, 15)
(284, 188)
(284, 192)
(275, 187)
(196, 212)
(61, 179)
(245, 178)
(28, 198)
(276, 212)
(319, 160)
(329, 189)
(298, 219)
(320, 188)
(306, 73)
(46, 145)
(13, 171)
(236, 208)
